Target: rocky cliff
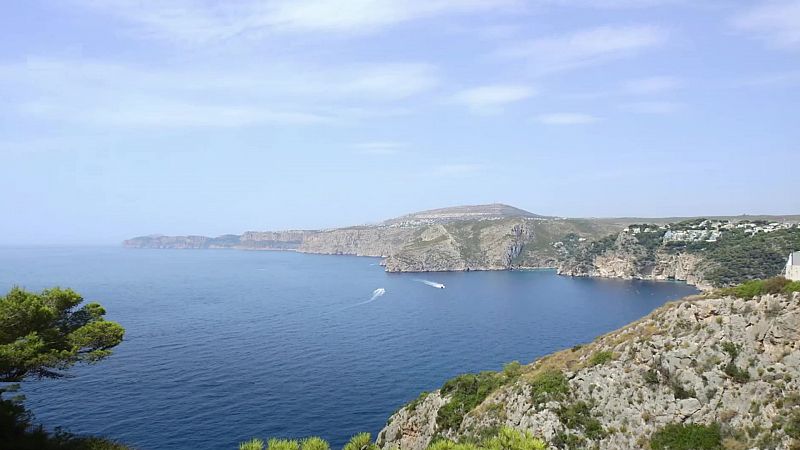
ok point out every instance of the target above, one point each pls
(708, 371)
(652, 252)
(623, 256)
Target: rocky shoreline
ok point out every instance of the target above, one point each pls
(729, 365)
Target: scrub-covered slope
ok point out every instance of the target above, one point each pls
(707, 370)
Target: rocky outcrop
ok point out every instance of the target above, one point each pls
(731, 365)
(472, 245)
(625, 257)
(359, 241)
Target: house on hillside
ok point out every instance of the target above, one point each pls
(793, 267)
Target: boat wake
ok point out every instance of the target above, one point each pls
(431, 283)
(375, 294)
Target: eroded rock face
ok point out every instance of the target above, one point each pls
(628, 259)
(723, 361)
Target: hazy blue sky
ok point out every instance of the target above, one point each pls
(129, 117)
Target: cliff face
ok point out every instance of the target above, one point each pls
(359, 241)
(465, 245)
(627, 258)
(728, 364)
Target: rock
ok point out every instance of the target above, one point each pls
(669, 367)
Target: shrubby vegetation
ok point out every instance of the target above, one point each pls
(687, 437)
(753, 288)
(601, 357)
(549, 385)
(505, 439)
(734, 258)
(468, 391)
(41, 336)
(738, 257)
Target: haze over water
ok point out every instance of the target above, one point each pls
(225, 345)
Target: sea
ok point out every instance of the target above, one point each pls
(225, 345)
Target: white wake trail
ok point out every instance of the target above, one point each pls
(430, 283)
(375, 294)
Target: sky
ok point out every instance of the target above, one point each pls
(121, 118)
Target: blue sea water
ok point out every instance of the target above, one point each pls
(225, 345)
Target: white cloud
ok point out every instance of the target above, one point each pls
(199, 21)
(651, 85)
(586, 47)
(655, 107)
(108, 94)
(777, 22)
(492, 98)
(566, 119)
(383, 148)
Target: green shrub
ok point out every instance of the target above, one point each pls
(283, 444)
(687, 437)
(506, 438)
(731, 369)
(512, 371)
(549, 384)
(466, 391)
(361, 441)
(736, 373)
(252, 444)
(314, 443)
(651, 376)
(511, 439)
(794, 286)
(578, 416)
(601, 358)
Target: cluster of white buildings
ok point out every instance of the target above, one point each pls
(708, 230)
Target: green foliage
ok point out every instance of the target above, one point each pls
(578, 416)
(738, 257)
(467, 391)
(792, 425)
(731, 349)
(446, 444)
(549, 384)
(753, 288)
(601, 358)
(512, 371)
(252, 444)
(314, 443)
(793, 286)
(687, 437)
(506, 439)
(731, 369)
(361, 441)
(680, 392)
(42, 334)
(283, 444)
(651, 376)
(511, 439)
(18, 432)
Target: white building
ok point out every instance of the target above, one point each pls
(793, 267)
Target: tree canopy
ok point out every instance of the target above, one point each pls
(43, 334)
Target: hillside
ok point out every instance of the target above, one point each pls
(702, 252)
(466, 212)
(700, 373)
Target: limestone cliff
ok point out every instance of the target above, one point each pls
(685, 251)
(359, 241)
(731, 366)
